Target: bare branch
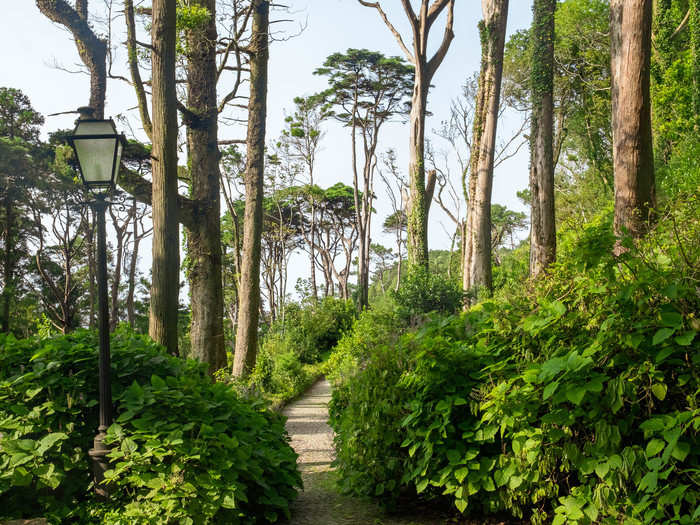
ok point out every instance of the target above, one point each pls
(396, 34)
(437, 59)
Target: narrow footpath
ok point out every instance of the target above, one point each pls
(320, 503)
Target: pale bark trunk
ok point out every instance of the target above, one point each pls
(477, 264)
(249, 308)
(417, 213)
(165, 287)
(204, 236)
(633, 157)
(542, 226)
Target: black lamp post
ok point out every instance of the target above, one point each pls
(98, 148)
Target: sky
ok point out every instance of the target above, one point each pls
(40, 58)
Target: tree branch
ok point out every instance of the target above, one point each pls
(396, 34)
(437, 59)
(142, 190)
(134, 67)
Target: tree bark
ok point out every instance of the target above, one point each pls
(249, 308)
(9, 262)
(165, 287)
(633, 156)
(204, 235)
(542, 226)
(92, 50)
(425, 68)
(477, 252)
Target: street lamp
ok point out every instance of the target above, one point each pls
(98, 148)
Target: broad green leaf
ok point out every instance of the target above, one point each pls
(649, 482)
(685, 339)
(559, 519)
(661, 335)
(461, 473)
(654, 447)
(602, 469)
(549, 390)
(672, 319)
(591, 511)
(421, 485)
(461, 505)
(659, 390)
(575, 394)
(681, 451)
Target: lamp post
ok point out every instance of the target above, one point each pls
(98, 148)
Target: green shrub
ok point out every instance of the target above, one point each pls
(315, 329)
(422, 292)
(291, 351)
(575, 401)
(184, 450)
(380, 325)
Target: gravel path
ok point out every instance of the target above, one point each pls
(320, 503)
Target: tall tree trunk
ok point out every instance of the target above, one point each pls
(421, 23)
(165, 287)
(417, 212)
(633, 156)
(249, 308)
(477, 252)
(542, 227)
(204, 236)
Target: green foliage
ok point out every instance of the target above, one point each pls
(184, 450)
(572, 401)
(290, 353)
(423, 291)
(376, 326)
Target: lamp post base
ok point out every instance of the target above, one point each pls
(100, 464)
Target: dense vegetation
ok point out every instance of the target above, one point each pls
(574, 399)
(549, 379)
(184, 449)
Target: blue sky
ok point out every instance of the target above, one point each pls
(33, 46)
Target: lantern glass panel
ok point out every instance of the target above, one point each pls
(96, 150)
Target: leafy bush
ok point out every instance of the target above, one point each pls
(184, 450)
(290, 355)
(575, 401)
(380, 325)
(422, 292)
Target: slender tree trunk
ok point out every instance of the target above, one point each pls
(633, 157)
(166, 255)
(417, 213)
(312, 247)
(542, 226)
(492, 29)
(204, 236)
(92, 271)
(8, 263)
(249, 309)
(117, 276)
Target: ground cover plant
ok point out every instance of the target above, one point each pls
(184, 449)
(572, 401)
